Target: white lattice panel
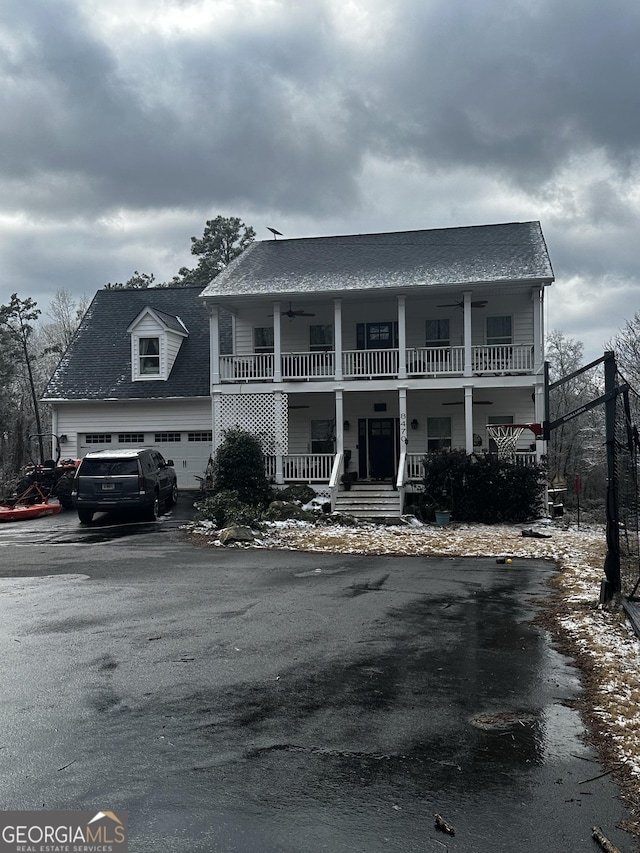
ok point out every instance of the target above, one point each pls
(264, 415)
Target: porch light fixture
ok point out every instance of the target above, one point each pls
(346, 426)
(63, 439)
(414, 424)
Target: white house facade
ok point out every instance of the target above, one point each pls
(352, 354)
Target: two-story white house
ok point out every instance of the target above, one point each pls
(356, 353)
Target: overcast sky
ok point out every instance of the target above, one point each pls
(127, 123)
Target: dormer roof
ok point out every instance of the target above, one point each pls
(166, 322)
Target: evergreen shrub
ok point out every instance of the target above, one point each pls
(238, 466)
(483, 488)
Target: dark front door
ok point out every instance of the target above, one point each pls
(381, 448)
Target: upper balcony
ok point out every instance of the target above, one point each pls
(387, 337)
(491, 360)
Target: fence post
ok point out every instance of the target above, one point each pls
(612, 560)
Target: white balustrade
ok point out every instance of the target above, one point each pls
(307, 365)
(307, 467)
(423, 361)
(415, 469)
(503, 358)
(254, 366)
(369, 362)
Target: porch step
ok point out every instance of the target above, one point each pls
(369, 501)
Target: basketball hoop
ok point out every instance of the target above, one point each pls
(506, 437)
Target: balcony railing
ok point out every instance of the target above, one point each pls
(434, 361)
(374, 363)
(506, 358)
(307, 365)
(253, 367)
(361, 363)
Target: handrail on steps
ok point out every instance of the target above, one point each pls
(336, 473)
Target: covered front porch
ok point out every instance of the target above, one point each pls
(372, 436)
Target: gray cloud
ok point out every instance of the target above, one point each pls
(440, 113)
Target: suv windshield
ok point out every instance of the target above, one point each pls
(109, 467)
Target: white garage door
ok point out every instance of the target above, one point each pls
(188, 450)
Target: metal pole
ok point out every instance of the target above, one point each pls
(612, 560)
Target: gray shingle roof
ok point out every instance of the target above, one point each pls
(486, 253)
(97, 365)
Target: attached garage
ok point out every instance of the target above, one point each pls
(137, 375)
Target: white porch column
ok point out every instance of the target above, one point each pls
(339, 421)
(214, 342)
(402, 411)
(278, 436)
(277, 344)
(537, 298)
(402, 338)
(466, 306)
(337, 338)
(468, 418)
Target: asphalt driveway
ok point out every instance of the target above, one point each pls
(276, 701)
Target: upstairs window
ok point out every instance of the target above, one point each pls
(320, 338)
(263, 339)
(149, 356)
(499, 331)
(437, 333)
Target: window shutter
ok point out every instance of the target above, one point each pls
(360, 340)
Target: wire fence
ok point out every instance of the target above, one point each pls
(625, 496)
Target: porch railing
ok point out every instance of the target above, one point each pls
(506, 358)
(357, 364)
(307, 467)
(301, 467)
(370, 362)
(423, 361)
(415, 470)
(307, 365)
(255, 366)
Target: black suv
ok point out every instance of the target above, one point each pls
(116, 480)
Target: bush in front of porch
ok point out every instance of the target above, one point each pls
(481, 488)
(241, 491)
(238, 465)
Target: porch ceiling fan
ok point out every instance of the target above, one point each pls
(480, 303)
(291, 313)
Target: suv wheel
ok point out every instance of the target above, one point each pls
(153, 511)
(173, 495)
(85, 516)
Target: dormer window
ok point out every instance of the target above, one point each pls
(156, 339)
(149, 354)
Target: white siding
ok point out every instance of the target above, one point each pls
(174, 342)
(75, 420)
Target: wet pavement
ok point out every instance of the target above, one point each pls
(263, 701)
